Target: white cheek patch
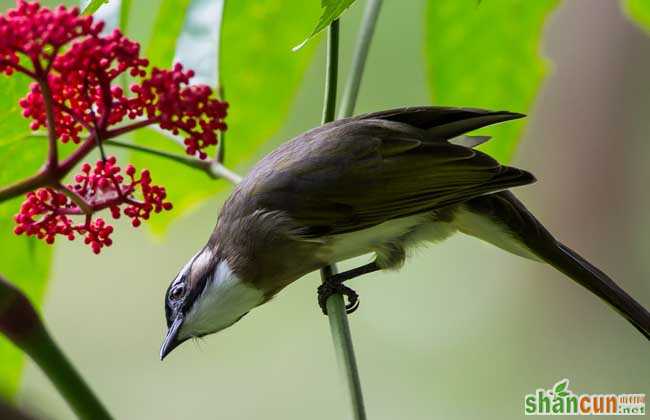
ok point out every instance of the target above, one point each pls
(223, 301)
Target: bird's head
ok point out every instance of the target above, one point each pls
(205, 297)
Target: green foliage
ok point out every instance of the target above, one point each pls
(166, 29)
(260, 75)
(92, 6)
(24, 261)
(639, 12)
(332, 9)
(487, 56)
(125, 10)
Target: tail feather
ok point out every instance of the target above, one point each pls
(511, 216)
(580, 270)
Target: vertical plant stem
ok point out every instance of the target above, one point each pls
(221, 93)
(53, 151)
(337, 315)
(332, 72)
(342, 339)
(335, 304)
(367, 30)
(125, 11)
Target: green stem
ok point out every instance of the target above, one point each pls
(332, 72)
(221, 146)
(49, 357)
(125, 11)
(182, 159)
(335, 305)
(338, 319)
(20, 323)
(342, 339)
(213, 169)
(219, 170)
(367, 30)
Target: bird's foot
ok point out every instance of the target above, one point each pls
(332, 287)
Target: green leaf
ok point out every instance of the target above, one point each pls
(92, 6)
(260, 76)
(125, 9)
(487, 56)
(24, 261)
(639, 12)
(560, 387)
(12, 123)
(166, 29)
(332, 9)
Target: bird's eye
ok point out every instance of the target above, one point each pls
(177, 292)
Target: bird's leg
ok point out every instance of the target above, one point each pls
(356, 272)
(333, 284)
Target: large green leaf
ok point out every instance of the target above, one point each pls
(24, 261)
(332, 9)
(487, 56)
(260, 75)
(125, 12)
(638, 11)
(165, 32)
(91, 6)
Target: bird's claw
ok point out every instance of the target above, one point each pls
(330, 288)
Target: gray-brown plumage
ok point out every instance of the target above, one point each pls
(350, 175)
(378, 183)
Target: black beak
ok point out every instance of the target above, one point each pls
(171, 340)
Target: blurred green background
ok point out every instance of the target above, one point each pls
(464, 330)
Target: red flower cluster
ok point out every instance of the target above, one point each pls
(103, 186)
(52, 208)
(75, 67)
(80, 82)
(39, 33)
(168, 98)
(46, 212)
(80, 79)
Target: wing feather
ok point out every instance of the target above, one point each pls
(367, 170)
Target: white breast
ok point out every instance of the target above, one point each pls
(408, 231)
(413, 230)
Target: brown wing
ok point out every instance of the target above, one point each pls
(441, 123)
(367, 171)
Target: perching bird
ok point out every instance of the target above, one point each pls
(377, 183)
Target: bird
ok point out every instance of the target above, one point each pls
(380, 183)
